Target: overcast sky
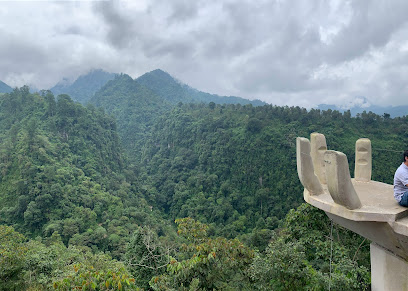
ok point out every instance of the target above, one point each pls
(282, 52)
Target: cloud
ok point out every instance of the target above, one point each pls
(284, 52)
(181, 10)
(120, 29)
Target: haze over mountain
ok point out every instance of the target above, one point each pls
(174, 91)
(85, 86)
(362, 104)
(159, 82)
(4, 88)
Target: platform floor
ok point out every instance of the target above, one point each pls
(377, 199)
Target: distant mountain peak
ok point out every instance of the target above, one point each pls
(4, 88)
(174, 90)
(85, 86)
(65, 82)
(158, 71)
(360, 104)
(124, 76)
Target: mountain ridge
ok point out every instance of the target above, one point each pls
(84, 87)
(182, 92)
(158, 81)
(4, 88)
(134, 106)
(393, 111)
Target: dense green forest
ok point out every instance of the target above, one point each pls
(235, 166)
(134, 191)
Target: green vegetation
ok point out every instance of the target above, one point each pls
(134, 106)
(89, 200)
(234, 167)
(62, 172)
(33, 265)
(206, 263)
(298, 257)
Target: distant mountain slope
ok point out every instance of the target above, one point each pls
(164, 85)
(134, 106)
(83, 88)
(4, 88)
(393, 111)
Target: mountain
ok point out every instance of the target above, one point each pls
(393, 111)
(83, 88)
(174, 91)
(136, 104)
(4, 88)
(159, 82)
(135, 108)
(230, 168)
(63, 172)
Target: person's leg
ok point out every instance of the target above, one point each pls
(404, 199)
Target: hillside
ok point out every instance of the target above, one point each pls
(226, 174)
(136, 104)
(4, 88)
(157, 81)
(135, 108)
(174, 91)
(234, 166)
(84, 87)
(63, 173)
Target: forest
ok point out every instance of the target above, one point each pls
(133, 191)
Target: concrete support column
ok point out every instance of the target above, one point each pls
(388, 272)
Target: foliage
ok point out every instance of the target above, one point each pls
(192, 230)
(68, 187)
(12, 253)
(62, 170)
(234, 166)
(134, 106)
(299, 257)
(86, 277)
(146, 256)
(210, 263)
(33, 265)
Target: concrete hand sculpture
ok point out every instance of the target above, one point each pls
(364, 206)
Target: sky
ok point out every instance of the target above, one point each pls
(295, 53)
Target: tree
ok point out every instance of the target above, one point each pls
(210, 264)
(145, 256)
(254, 125)
(86, 277)
(12, 254)
(299, 256)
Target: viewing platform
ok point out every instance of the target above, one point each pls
(364, 206)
